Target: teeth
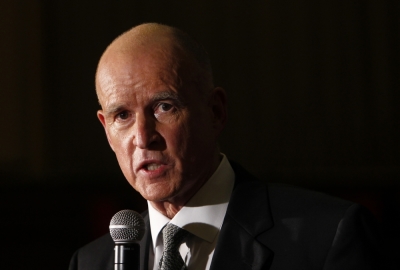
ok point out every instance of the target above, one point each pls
(152, 167)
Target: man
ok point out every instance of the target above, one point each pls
(162, 117)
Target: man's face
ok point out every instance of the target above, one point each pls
(159, 125)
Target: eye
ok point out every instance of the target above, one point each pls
(123, 115)
(164, 107)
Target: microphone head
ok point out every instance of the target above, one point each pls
(127, 226)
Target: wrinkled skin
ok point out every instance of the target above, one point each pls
(161, 126)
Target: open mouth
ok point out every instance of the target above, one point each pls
(152, 166)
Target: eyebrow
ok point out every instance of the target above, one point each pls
(113, 109)
(168, 95)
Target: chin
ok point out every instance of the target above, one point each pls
(158, 195)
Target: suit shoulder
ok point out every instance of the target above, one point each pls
(97, 254)
(300, 197)
(286, 201)
(316, 209)
(314, 226)
(103, 242)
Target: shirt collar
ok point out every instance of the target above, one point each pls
(205, 211)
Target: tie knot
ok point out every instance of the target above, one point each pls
(173, 236)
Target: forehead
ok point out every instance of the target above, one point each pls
(141, 73)
(137, 70)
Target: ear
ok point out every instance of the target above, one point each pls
(102, 119)
(218, 104)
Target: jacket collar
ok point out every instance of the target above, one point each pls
(145, 243)
(248, 216)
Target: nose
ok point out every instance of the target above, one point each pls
(145, 132)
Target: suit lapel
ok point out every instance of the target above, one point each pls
(144, 244)
(247, 217)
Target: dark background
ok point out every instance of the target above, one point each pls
(313, 91)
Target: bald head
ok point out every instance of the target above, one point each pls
(153, 38)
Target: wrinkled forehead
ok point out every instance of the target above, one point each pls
(126, 54)
(144, 65)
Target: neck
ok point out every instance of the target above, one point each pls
(172, 206)
(166, 208)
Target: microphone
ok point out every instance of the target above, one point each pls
(127, 229)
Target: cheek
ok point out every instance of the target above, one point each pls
(120, 140)
(202, 139)
(177, 138)
(122, 146)
(189, 143)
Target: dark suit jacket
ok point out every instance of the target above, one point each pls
(273, 227)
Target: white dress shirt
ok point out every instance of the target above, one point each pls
(202, 216)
